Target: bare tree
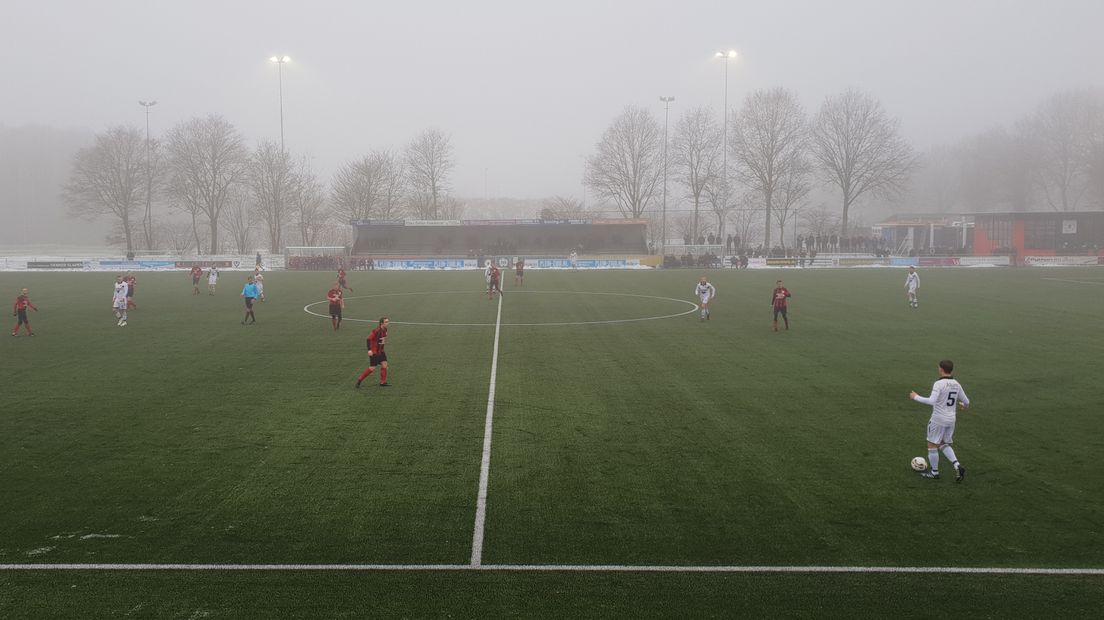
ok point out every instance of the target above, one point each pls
(562, 208)
(155, 174)
(747, 218)
(178, 235)
(428, 164)
(207, 159)
(451, 208)
(819, 221)
(370, 187)
(1061, 135)
(696, 152)
(308, 206)
(108, 178)
(769, 141)
(272, 179)
(238, 220)
(629, 163)
(859, 149)
(792, 190)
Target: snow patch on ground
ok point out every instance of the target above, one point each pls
(41, 550)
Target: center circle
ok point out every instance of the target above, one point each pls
(693, 307)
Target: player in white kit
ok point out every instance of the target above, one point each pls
(705, 292)
(912, 284)
(947, 394)
(119, 301)
(212, 280)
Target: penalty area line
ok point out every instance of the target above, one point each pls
(566, 568)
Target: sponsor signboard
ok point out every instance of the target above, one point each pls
(137, 264)
(207, 264)
(55, 264)
(1069, 227)
(433, 222)
(845, 261)
(439, 263)
(1042, 261)
(938, 261)
(781, 262)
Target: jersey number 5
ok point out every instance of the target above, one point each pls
(951, 398)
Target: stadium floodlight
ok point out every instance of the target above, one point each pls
(663, 227)
(280, 62)
(729, 55)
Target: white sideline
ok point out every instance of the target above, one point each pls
(485, 464)
(568, 568)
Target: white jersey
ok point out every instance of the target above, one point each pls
(705, 292)
(120, 294)
(945, 396)
(912, 282)
(259, 280)
(212, 277)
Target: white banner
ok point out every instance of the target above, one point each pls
(1045, 261)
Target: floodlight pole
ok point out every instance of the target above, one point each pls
(149, 174)
(280, 62)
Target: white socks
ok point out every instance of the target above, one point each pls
(933, 458)
(948, 452)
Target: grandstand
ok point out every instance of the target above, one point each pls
(437, 238)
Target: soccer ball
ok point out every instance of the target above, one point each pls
(919, 464)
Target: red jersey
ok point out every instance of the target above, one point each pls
(334, 296)
(495, 273)
(130, 284)
(22, 303)
(779, 296)
(196, 272)
(520, 265)
(376, 340)
(341, 274)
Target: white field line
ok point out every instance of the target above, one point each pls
(1097, 283)
(485, 464)
(566, 568)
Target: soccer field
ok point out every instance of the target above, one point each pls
(626, 433)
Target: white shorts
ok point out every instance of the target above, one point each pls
(119, 304)
(940, 433)
(912, 290)
(705, 299)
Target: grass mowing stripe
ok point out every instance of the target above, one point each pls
(485, 464)
(565, 568)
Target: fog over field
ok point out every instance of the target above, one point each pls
(519, 95)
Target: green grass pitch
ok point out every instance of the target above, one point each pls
(186, 437)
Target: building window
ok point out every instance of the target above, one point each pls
(1040, 234)
(999, 231)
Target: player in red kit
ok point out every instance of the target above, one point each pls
(130, 280)
(19, 310)
(337, 304)
(197, 273)
(341, 279)
(778, 302)
(495, 283)
(376, 355)
(519, 273)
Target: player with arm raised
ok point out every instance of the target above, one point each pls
(705, 293)
(946, 395)
(377, 339)
(912, 285)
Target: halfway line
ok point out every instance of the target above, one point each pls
(485, 465)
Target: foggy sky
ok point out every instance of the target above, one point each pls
(525, 89)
